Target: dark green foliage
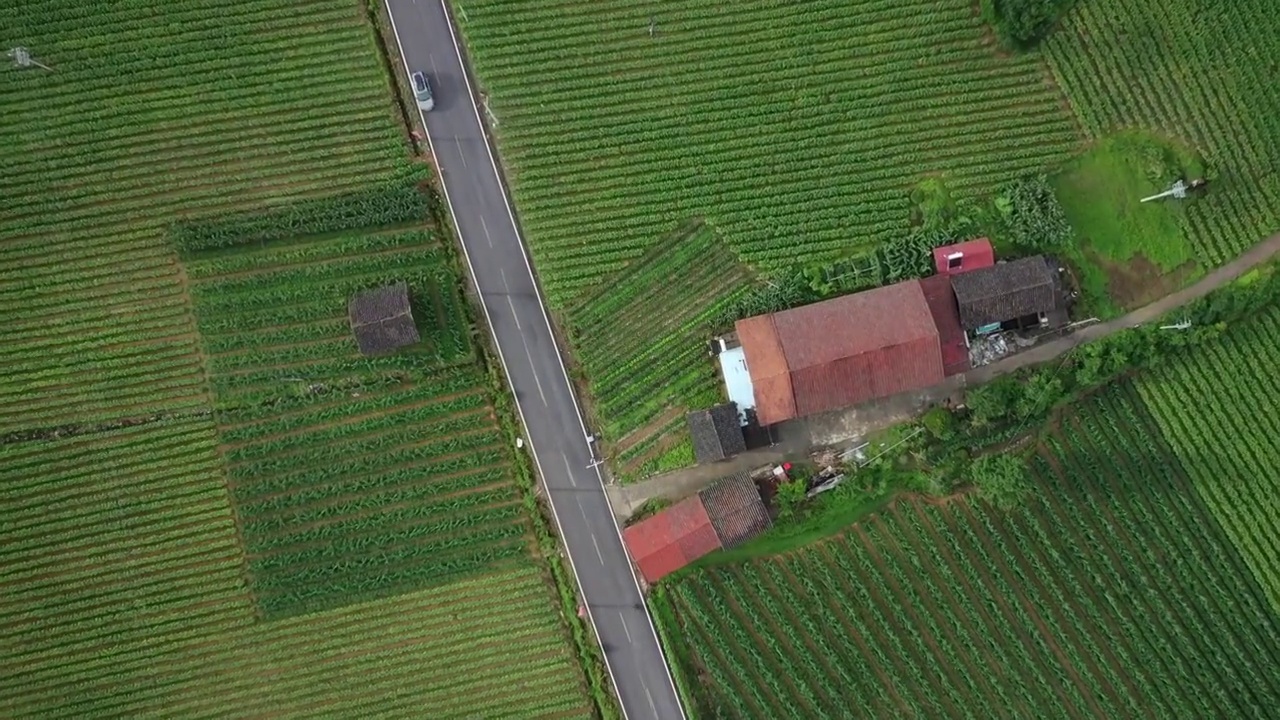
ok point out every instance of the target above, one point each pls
(1031, 215)
(397, 203)
(786, 290)
(940, 423)
(992, 402)
(1001, 479)
(790, 495)
(1021, 24)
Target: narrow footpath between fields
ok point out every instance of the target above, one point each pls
(682, 483)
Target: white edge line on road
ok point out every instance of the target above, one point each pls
(572, 396)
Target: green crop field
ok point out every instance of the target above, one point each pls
(1199, 72)
(643, 348)
(213, 505)
(1220, 409)
(1112, 593)
(798, 132)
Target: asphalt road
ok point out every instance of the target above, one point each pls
(513, 305)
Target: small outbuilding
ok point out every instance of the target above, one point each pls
(963, 257)
(1021, 292)
(382, 319)
(736, 510)
(716, 432)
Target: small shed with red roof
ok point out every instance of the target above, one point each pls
(963, 257)
(671, 539)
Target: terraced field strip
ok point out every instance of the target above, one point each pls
(116, 545)
(642, 339)
(1114, 593)
(1219, 408)
(796, 131)
(1207, 79)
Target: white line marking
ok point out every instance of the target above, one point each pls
(485, 226)
(461, 154)
(653, 633)
(569, 469)
(503, 273)
(598, 553)
(533, 370)
(516, 317)
(651, 705)
(625, 629)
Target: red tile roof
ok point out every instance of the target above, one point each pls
(841, 352)
(946, 317)
(671, 539)
(767, 366)
(975, 254)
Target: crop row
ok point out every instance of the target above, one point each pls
(1218, 408)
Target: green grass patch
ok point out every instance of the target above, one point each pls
(1102, 190)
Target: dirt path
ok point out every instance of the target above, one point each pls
(681, 483)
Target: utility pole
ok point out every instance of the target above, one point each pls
(22, 58)
(653, 26)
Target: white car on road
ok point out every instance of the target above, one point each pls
(422, 92)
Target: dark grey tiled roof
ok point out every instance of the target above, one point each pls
(1004, 291)
(716, 433)
(736, 510)
(382, 320)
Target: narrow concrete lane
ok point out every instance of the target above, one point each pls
(548, 409)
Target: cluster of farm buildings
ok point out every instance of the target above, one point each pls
(875, 344)
(846, 351)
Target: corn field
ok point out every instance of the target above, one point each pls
(1113, 593)
(213, 505)
(796, 130)
(1220, 409)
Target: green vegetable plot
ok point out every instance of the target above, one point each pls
(212, 505)
(1111, 593)
(643, 341)
(1201, 73)
(796, 130)
(368, 475)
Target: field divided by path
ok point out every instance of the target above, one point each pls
(1200, 73)
(797, 131)
(1114, 593)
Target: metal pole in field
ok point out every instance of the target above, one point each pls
(22, 58)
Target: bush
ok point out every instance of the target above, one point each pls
(790, 495)
(991, 402)
(1001, 479)
(1032, 215)
(940, 423)
(1021, 24)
